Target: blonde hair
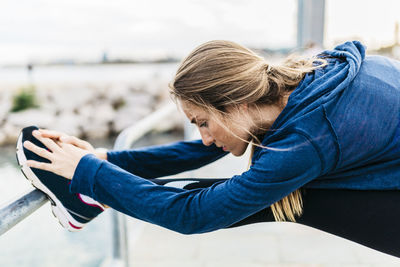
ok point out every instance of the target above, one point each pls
(220, 75)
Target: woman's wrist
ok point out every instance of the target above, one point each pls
(101, 153)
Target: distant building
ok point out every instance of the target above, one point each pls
(105, 57)
(310, 23)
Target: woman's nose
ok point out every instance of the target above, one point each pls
(206, 138)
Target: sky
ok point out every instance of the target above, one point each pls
(46, 30)
(372, 21)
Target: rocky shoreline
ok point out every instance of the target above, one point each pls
(86, 111)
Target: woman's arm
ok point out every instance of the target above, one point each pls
(149, 162)
(273, 176)
(164, 160)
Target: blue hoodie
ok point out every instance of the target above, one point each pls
(339, 129)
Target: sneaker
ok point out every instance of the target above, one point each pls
(72, 210)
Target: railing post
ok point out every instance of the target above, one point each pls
(119, 240)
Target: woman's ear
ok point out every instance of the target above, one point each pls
(244, 111)
(244, 107)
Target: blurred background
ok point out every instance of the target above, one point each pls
(93, 68)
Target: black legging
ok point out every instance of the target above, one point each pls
(368, 217)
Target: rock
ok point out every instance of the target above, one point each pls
(96, 120)
(140, 99)
(5, 106)
(67, 122)
(174, 121)
(117, 91)
(163, 96)
(28, 117)
(128, 116)
(67, 99)
(3, 138)
(9, 133)
(91, 111)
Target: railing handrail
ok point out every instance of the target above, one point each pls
(14, 211)
(133, 133)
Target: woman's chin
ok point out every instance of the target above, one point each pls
(239, 150)
(237, 153)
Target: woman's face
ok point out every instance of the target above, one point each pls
(213, 133)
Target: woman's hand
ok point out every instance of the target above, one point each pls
(63, 157)
(65, 138)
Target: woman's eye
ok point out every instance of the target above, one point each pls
(203, 124)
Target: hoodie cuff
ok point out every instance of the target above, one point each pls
(114, 157)
(83, 181)
(110, 157)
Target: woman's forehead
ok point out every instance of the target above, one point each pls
(192, 111)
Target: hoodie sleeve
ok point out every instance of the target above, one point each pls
(157, 161)
(284, 167)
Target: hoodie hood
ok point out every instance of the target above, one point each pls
(323, 84)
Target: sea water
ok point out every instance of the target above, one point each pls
(86, 74)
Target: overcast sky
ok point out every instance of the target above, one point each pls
(41, 30)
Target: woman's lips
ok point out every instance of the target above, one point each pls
(224, 148)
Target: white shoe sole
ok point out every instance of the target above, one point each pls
(58, 209)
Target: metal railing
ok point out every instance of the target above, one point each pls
(15, 211)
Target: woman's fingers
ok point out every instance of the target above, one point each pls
(77, 142)
(37, 150)
(59, 136)
(81, 143)
(49, 143)
(51, 134)
(71, 140)
(39, 165)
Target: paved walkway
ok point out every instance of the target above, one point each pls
(263, 244)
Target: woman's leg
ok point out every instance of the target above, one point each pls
(368, 217)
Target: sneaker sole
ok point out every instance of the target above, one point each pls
(58, 210)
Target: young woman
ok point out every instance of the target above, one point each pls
(325, 137)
